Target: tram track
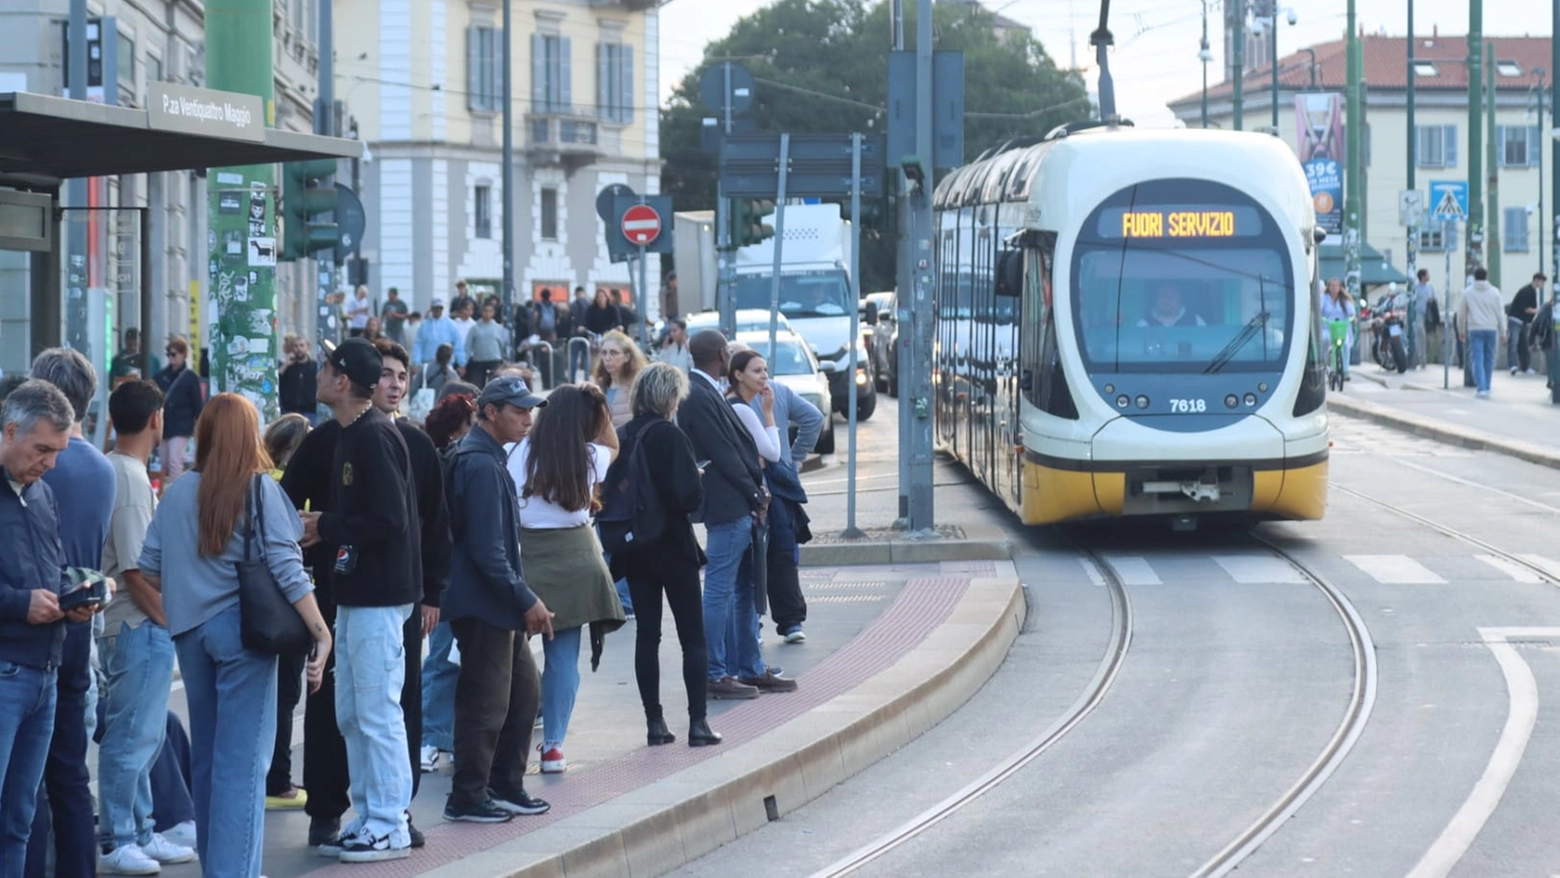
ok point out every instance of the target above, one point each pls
(1093, 694)
(1356, 714)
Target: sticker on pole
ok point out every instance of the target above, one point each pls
(641, 225)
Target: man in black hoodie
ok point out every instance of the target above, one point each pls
(377, 578)
(1519, 322)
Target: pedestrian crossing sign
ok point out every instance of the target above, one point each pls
(1449, 199)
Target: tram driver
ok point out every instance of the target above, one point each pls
(1169, 310)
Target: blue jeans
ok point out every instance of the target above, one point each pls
(560, 682)
(231, 693)
(138, 664)
(27, 697)
(579, 358)
(728, 596)
(370, 670)
(438, 690)
(1481, 355)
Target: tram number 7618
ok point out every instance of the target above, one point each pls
(1186, 406)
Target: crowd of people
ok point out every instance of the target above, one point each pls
(375, 532)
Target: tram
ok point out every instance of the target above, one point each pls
(1126, 325)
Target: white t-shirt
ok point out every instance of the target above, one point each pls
(538, 514)
(358, 310)
(766, 438)
(462, 326)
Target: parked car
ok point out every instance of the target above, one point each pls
(878, 314)
(795, 366)
(748, 320)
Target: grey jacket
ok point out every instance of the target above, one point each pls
(194, 588)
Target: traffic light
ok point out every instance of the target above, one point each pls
(747, 221)
(307, 193)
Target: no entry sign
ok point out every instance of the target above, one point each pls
(641, 224)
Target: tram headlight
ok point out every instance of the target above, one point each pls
(1122, 401)
(1262, 388)
(1110, 388)
(1231, 401)
(1251, 399)
(1142, 401)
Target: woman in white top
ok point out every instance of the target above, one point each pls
(557, 468)
(749, 377)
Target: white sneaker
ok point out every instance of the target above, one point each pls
(164, 851)
(182, 834)
(127, 859)
(430, 759)
(1529, 372)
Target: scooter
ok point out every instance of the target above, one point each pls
(1387, 345)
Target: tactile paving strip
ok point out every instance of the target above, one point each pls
(920, 606)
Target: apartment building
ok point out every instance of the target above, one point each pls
(1440, 140)
(151, 41)
(423, 79)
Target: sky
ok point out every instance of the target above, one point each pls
(1155, 60)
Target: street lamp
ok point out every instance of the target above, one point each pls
(1271, 24)
(1312, 52)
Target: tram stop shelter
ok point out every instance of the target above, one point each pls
(1375, 269)
(46, 140)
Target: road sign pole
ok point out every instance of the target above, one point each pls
(1448, 234)
(643, 300)
(851, 531)
(774, 285)
(920, 244)
(725, 294)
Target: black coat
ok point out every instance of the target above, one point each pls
(296, 387)
(183, 400)
(734, 478)
(485, 577)
(678, 490)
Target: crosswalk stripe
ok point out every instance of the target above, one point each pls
(1394, 569)
(1133, 570)
(1549, 565)
(1092, 570)
(1259, 569)
(1515, 571)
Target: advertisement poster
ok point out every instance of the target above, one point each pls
(1319, 127)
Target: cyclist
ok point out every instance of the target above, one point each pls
(1337, 304)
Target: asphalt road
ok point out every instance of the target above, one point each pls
(1237, 675)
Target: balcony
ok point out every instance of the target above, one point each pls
(564, 140)
(630, 5)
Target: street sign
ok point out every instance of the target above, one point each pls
(623, 243)
(715, 94)
(1411, 208)
(607, 196)
(641, 224)
(351, 221)
(818, 165)
(1449, 199)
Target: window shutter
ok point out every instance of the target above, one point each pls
(626, 89)
(474, 68)
(539, 74)
(1500, 146)
(565, 78)
(1449, 146)
(1535, 155)
(603, 79)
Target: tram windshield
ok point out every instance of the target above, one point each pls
(1186, 286)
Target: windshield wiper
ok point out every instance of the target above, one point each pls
(1252, 327)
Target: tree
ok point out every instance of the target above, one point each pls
(821, 66)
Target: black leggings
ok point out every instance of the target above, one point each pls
(679, 579)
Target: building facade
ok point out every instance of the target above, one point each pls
(423, 79)
(151, 41)
(1517, 243)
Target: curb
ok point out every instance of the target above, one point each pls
(667, 824)
(905, 552)
(1465, 437)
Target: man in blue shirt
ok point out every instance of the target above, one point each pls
(35, 423)
(438, 329)
(83, 484)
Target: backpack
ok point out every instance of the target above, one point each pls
(1432, 312)
(630, 513)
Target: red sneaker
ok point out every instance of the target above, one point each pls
(553, 761)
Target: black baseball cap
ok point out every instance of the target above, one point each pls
(357, 359)
(508, 389)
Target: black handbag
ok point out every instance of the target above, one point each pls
(268, 622)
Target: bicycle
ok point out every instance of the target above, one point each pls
(1338, 332)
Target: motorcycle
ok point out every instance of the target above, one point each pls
(1388, 341)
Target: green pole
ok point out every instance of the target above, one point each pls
(1492, 240)
(1238, 46)
(1353, 160)
(1474, 244)
(243, 240)
(1411, 241)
